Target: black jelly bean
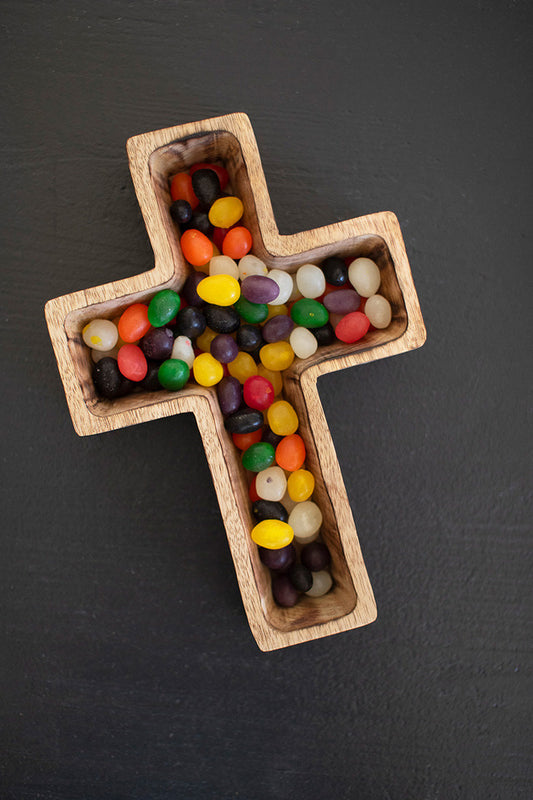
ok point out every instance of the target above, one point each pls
(245, 420)
(190, 321)
(324, 335)
(315, 556)
(200, 222)
(150, 382)
(249, 338)
(157, 344)
(181, 212)
(222, 319)
(268, 509)
(108, 380)
(189, 293)
(335, 270)
(300, 577)
(278, 560)
(206, 186)
(269, 436)
(229, 393)
(284, 592)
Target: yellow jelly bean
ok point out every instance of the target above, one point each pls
(203, 342)
(274, 377)
(282, 418)
(221, 290)
(225, 212)
(300, 485)
(207, 370)
(277, 356)
(272, 534)
(276, 311)
(242, 367)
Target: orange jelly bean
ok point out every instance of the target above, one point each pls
(196, 247)
(181, 189)
(237, 242)
(290, 452)
(244, 440)
(134, 323)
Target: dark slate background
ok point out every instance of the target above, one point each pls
(127, 665)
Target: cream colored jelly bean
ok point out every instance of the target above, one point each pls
(305, 519)
(365, 277)
(251, 265)
(285, 283)
(310, 281)
(322, 583)
(183, 350)
(378, 311)
(271, 484)
(223, 265)
(100, 334)
(303, 342)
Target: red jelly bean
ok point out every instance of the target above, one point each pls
(352, 327)
(290, 452)
(181, 189)
(221, 172)
(219, 234)
(134, 323)
(258, 392)
(132, 362)
(237, 242)
(244, 440)
(254, 497)
(196, 247)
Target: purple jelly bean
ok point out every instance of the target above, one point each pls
(259, 289)
(277, 328)
(229, 392)
(189, 292)
(224, 348)
(342, 302)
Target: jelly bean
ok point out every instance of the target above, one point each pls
(221, 172)
(258, 392)
(300, 484)
(270, 436)
(207, 370)
(251, 265)
(283, 591)
(220, 290)
(254, 497)
(315, 556)
(189, 293)
(303, 343)
(352, 327)
(199, 222)
(290, 453)
(196, 247)
(305, 519)
(251, 312)
(282, 418)
(244, 440)
(224, 348)
(258, 456)
(222, 319)
(322, 583)
(309, 313)
(277, 328)
(342, 301)
(271, 483)
(259, 289)
(157, 343)
(274, 376)
(150, 382)
(183, 350)
(203, 342)
(277, 356)
(190, 322)
(101, 334)
(267, 509)
(310, 281)
(245, 420)
(134, 323)
(206, 186)
(378, 310)
(364, 275)
(132, 362)
(163, 307)
(225, 212)
(272, 534)
(219, 234)
(249, 338)
(181, 189)
(229, 393)
(324, 335)
(181, 212)
(285, 283)
(335, 270)
(280, 559)
(242, 367)
(300, 577)
(237, 242)
(223, 265)
(108, 380)
(173, 374)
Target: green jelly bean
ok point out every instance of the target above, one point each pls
(251, 312)
(309, 313)
(258, 457)
(173, 374)
(163, 307)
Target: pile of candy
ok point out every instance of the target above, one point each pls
(237, 325)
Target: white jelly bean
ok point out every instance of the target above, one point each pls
(183, 350)
(223, 265)
(322, 583)
(364, 276)
(303, 342)
(285, 283)
(100, 334)
(305, 519)
(271, 484)
(310, 281)
(378, 311)
(251, 265)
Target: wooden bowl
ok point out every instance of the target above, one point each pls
(154, 157)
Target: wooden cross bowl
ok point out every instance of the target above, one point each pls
(154, 157)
